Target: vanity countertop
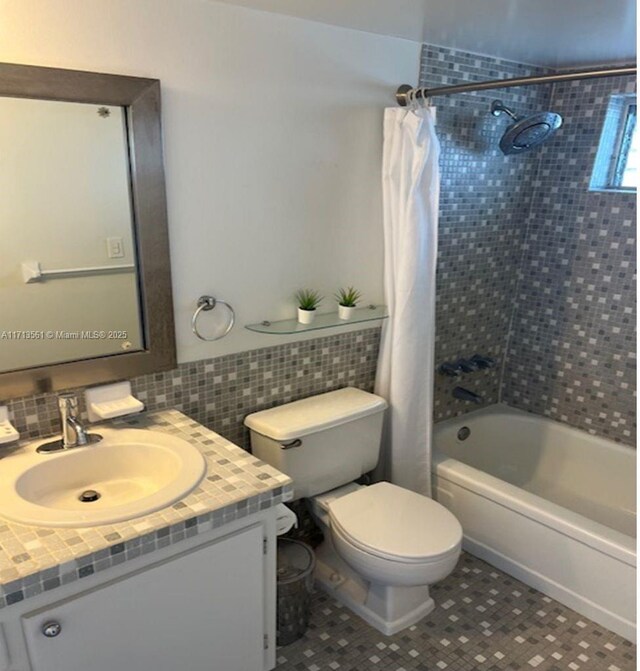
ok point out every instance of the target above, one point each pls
(236, 484)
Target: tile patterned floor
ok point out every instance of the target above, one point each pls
(484, 621)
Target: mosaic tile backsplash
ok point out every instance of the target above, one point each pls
(219, 393)
(533, 269)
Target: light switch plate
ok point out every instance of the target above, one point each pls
(115, 248)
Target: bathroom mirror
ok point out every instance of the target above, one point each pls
(85, 284)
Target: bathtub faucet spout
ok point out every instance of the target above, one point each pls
(463, 394)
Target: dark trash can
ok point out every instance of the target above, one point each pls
(296, 563)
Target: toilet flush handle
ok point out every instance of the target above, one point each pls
(294, 443)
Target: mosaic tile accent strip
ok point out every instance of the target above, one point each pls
(485, 197)
(572, 348)
(236, 484)
(220, 392)
(484, 621)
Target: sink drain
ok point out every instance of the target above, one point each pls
(89, 496)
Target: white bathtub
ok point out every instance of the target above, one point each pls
(550, 505)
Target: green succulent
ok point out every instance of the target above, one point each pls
(308, 299)
(348, 297)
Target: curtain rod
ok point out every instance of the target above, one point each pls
(571, 75)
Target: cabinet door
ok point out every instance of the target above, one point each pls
(200, 611)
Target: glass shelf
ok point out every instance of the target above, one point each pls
(325, 320)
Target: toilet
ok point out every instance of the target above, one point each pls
(384, 545)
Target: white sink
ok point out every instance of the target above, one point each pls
(134, 472)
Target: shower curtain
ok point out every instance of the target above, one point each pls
(411, 188)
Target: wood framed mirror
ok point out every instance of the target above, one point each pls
(85, 278)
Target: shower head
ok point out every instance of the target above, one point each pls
(525, 133)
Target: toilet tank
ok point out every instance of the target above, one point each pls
(321, 442)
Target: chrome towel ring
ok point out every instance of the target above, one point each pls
(206, 303)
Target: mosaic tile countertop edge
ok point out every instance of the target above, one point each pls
(236, 484)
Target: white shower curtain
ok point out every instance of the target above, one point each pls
(411, 188)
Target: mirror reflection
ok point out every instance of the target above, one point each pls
(68, 279)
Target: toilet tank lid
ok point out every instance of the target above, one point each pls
(316, 413)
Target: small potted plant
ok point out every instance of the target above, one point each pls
(308, 301)
(347, 302)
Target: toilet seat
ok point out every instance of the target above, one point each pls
(395, 524)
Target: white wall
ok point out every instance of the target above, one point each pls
(273, 141)
(398, 18)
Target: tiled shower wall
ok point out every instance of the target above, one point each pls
(485, 197)
(221, 392)
(572, 349)
(533, 268)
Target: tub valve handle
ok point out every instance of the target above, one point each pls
(482, 362)
(466, 365)
(448, 369)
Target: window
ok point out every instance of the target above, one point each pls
(618, 157)
(626, 170)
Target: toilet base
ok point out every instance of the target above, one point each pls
(387, 609)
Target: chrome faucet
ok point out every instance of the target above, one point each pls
(73, 433)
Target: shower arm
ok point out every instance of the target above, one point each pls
(498, 108)
(402, 94)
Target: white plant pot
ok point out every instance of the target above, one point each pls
(306, 316)
(345, 312)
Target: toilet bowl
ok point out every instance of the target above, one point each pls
(384, 545)
(392, 535)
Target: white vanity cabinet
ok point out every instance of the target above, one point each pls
(207, 608)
